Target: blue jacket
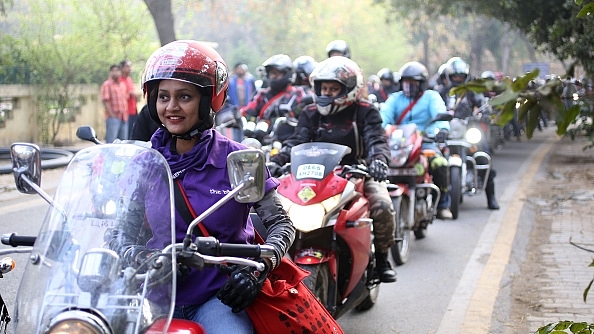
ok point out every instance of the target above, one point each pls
(426, 108)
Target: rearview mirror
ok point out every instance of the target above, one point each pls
(26, 160)
(247, 169)
(86, 132)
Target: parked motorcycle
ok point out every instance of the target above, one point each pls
(334, 240)
(470, 166)
(77, 281)
(416, 197)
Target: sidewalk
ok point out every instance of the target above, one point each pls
(49, 177)
(554, 273)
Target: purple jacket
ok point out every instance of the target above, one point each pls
(204, 177)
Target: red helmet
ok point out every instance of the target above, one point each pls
(192, 62)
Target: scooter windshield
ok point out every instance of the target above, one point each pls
(95, 263)
(316, 160)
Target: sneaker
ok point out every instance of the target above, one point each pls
(444, 214)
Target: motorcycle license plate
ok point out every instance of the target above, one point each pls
(402, 171)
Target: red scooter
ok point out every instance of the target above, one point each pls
(416, 197)
(77, 280)
(334, 240)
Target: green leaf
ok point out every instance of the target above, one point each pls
(505, 97)
(522, 81)
(533, 118)
(506, 115)
(586, 10)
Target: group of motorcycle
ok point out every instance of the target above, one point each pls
(73, 282)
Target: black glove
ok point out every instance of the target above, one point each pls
(378, 170)
(242, 287)
(275, 169)
(441, 136)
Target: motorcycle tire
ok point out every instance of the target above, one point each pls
(371, 298)
(318, 279)
(402, 234)
(455, 190)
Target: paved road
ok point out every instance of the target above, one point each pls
(459, 279)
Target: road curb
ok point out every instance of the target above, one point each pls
(473, 302)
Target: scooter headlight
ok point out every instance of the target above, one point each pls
(473, 135)
(78, 322)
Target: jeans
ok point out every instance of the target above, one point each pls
(216, 317)
(115, 128)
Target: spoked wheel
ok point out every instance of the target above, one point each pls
(455, 190)
(317, 281)
(402, 232)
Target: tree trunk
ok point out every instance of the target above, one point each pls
(163, 18)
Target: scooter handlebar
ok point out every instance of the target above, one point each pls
(15, 240)
(211, 246)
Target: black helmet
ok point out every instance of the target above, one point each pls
(338, 46)
(416, 71)
(457, 67)
(386, 74)
(282, 63)
(303, 65)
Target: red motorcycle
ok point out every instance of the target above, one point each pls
(76, 281)
(416, 197)
(334, 240)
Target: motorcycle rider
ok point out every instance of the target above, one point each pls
(338, 47)
(279, 99)
(304, 65)
(185, 83)
(341, 116)
(389, 84)
(421, 106)
(457, 72)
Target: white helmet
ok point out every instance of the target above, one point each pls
(342, 70)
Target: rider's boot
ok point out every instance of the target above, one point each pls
(384, 268)
(490, 191)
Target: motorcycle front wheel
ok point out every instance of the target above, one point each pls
(401, 249)
(317, 281)
(455, 190)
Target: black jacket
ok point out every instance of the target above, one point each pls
(359, 127)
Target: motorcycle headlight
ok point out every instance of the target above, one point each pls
(400, 156)
(473, 135)
(78, 322)
(306, 218)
